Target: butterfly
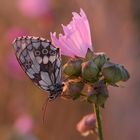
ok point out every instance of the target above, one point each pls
(41, 61)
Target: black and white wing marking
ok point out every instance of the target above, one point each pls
(41, 61)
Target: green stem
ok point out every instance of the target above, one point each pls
(98, 121)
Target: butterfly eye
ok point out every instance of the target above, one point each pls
(51, 52)
(44, 51)
(37, 53)
(51, 97)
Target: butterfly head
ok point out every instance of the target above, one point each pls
(55, 91)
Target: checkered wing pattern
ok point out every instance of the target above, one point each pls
(41, 61)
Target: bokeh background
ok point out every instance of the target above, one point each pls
(115, 30)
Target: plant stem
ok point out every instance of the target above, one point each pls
(98, 121)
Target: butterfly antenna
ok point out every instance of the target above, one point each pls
(44, 109)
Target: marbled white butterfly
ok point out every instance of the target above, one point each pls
(41, 61)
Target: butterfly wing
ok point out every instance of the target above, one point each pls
(40, 60)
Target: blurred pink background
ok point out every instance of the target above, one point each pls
(115, 30)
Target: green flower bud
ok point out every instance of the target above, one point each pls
(72, 89)
(114, 73)
(98, 93)
(89, 55)
(102, 96)
(89, 71)
(100, 59)
(124, 73)
(73, 67)
(111, 72)
(91, 95)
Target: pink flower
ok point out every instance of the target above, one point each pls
(87, 124)
(34, 8)
(24, 124)
(76, 39)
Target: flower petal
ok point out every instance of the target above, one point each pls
(76, 39)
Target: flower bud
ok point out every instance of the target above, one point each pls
(98, 93)
(87, 124)
(102, 96)
(124, 73)
(73, 67)
(91, 95)
(114, 73)
(100, 59)
(73, 89)
(89, 54)
(89, 71)
(111, 72)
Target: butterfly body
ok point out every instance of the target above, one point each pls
(41, 61)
